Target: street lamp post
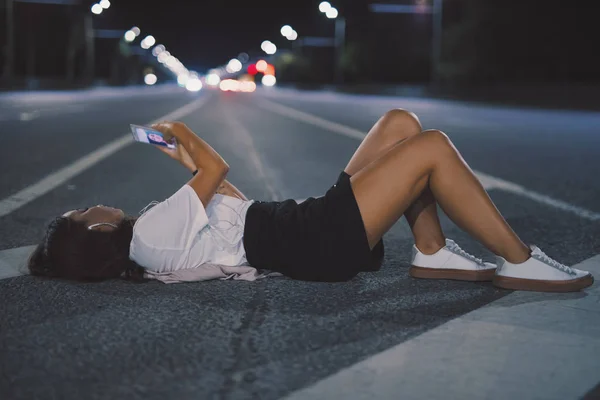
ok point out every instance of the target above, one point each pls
(340, 42)
(340, 38)
(436, 47)
(89, 48)
(10, 42)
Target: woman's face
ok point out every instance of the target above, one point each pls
(97, 214)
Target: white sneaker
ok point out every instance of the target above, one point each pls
(540, 273)
(450, 262)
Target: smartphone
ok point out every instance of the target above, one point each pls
(143, 134)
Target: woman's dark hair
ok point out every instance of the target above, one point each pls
(71, 251)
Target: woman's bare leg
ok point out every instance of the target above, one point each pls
(385, 188)
(394, 127)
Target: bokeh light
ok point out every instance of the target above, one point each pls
(268, 80)
(332, 13)
(286, 30)
(213, 79)
(233, 66)
(193, 84)
(247, 86)
(150, 79)
(268, 47)
(162, 57)
(148, 42)
(229, 85)
(270, 70)
(158, 49)
(324, 6)
(182, 79)
(97, 9)
(261, 66)
(129, 36)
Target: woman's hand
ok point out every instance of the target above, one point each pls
(169, 129)
(179, 153)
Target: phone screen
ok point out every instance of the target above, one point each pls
(144, 134)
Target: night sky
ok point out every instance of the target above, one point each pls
(551, 39)
(207, 33)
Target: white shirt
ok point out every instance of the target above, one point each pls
(180, 233)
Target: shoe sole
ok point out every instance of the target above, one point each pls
(453, 274)
(534, 285)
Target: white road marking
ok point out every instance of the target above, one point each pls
(253, 156)
(523, 346)
(491, 182)
(61, 176)
(488, 181)
(28, 116)
(13, 262)
(311, 119)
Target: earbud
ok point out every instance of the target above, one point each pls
(100, 224)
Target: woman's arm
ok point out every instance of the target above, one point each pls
(180, 154)
(227, 189)
(212, 169)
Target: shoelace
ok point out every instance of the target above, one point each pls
(454, 248)
(541, 256)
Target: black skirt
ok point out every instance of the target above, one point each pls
(320, 239)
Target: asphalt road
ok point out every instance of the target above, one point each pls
(265, 339)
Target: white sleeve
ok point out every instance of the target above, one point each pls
(170, 225)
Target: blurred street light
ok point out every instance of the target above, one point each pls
(159, 48)
(268, 80)
(97, 9)
(182, 79)
(136, 30)
(150, 79)
(324, 6)
(286, 30)
(193, 84)
(292, 36)
(129, 36)
(148, 42)
(268, 47)
(332, 13)
(213, 79)
(104, 4)
(261, 66)
(233, 66)
(289, 33)
(171, 61)
(162, 57)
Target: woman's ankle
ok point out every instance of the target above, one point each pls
(518, 257)
(430, 247)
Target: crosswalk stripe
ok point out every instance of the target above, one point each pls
(525, 345)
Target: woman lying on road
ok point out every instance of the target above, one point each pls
(398, 169)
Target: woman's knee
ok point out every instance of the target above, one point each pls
(405, 121)
(436, 135)
(438, 139)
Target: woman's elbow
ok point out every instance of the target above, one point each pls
(225, 167)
